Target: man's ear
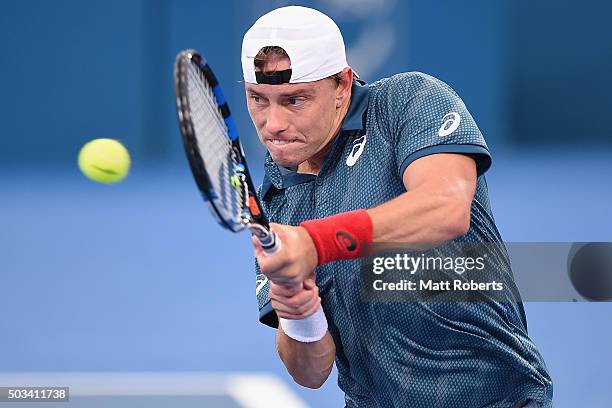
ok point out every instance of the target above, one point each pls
(343, 92)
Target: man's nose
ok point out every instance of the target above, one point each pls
(276, 122)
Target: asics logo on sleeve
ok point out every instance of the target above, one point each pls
(358, 147)
(451, 123)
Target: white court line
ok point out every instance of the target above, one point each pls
(252, 390)
(263, 391)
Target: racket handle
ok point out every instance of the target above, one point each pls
(267, 239)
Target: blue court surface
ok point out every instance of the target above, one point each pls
(156, 390)
(137, 277)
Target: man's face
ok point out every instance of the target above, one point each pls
(295, 122)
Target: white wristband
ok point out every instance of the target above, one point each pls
(307, 330)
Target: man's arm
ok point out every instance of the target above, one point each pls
(436, 206)
(434, 209)
(308, 363)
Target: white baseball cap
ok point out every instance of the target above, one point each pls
(311, 39)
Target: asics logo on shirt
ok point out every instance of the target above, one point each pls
(451, 123)
(358, 147)
(261, 280)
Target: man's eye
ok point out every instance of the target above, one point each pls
(295, 100)
(256, 98)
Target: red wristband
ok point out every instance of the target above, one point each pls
(340, 236)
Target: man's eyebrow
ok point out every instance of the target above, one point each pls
(297, 92)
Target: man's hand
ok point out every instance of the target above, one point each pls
(294, 262)
(293, 304)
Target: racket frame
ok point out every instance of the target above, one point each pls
(252, 216)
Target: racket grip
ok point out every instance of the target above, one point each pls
(273, 246)
(267, 239)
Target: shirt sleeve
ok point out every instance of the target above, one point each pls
(428, 117)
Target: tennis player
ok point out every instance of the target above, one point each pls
(348, 164)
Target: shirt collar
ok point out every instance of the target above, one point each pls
(355, 118)
(354, 122)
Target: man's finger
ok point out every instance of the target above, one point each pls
(291, 290)
(301, 297)
(278, 229)
(293, 316)
(309, 283)
(273, 263)
(315, 307)
(285, 290)
(304, 309)
(287, 309)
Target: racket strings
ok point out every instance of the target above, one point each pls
(214, 145)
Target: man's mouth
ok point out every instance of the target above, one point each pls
(278, 142)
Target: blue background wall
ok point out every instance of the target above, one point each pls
(137, 276)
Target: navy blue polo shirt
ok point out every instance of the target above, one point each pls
(407, 354)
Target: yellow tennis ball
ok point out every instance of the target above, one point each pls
(104, 160)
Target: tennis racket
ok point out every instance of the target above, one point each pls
(214, 151)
